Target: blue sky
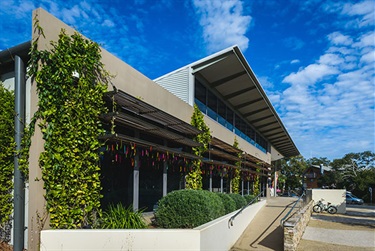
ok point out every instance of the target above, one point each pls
(314, 58)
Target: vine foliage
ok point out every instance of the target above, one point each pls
(7, 151)
(194, 177)
(71, 82)
(237, 171)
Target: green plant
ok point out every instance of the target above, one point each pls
(256, 183)
(188, 209)
(238, 199)
(194, 177)
(249, 197)
(236, 176)
(7, 151)
(228, 202)
(120, 217)
(71, 82)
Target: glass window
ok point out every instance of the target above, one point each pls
(211, 101)
(200, 92)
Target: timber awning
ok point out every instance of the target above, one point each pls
(230, 76)
(147, 111)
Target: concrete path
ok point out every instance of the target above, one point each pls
(355, 238)
(265, 232)
(354, 230)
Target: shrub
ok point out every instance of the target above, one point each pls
(120, 217)
(249, 197)
(238, 199)
(215, 203)
(188, 209)
(229, 203)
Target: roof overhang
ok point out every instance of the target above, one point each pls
(228, 74)
(7, 56)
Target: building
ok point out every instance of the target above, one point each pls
(313, 174)
(150, 152)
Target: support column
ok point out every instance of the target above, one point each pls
(221, 184)
(248, 187)
(242, 187)
(136, 178)
(210, 181)
(19, 183)
(165, 179)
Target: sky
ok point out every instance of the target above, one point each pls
(315, 59)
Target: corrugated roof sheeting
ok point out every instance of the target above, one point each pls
(177, 83)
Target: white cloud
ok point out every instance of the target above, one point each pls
(337, 38)
(310, 74)
(223, 23)
(368, 58)
(295, 61)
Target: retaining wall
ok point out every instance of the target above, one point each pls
(295, 226)
(216, 235)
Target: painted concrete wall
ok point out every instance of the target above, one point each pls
(335, 196)
(213, 236)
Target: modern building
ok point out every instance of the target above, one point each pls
(150, 151)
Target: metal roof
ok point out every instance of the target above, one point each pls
(229, 75)
(7, 56)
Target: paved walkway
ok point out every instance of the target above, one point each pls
(353, 231)
(265, 232)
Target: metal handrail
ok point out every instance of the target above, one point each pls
(295, 203)
(231, 219)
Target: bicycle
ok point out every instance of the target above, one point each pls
(321, 207)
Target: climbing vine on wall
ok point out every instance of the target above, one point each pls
(194, 177)
(256, 182)
(7, 150)
(71, 81)
(236, 174)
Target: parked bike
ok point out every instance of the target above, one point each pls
(321, 207)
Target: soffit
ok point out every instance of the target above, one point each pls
(231, 78)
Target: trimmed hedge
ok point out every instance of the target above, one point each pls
(229, 203)
(188, 209)
(238, 199)
(249, 198)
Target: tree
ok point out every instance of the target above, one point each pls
(317, 161)
(355, 171)
(293, 168)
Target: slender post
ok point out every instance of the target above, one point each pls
(165, 178)
(242, 186)
(136, 178)
(221, 184)
(210, 181)
(19, 184)
(165, 175)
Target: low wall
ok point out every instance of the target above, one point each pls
(216, 235)
(335, 196)
(295, 226)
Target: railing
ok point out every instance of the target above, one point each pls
(230, 221)
(300, 202)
